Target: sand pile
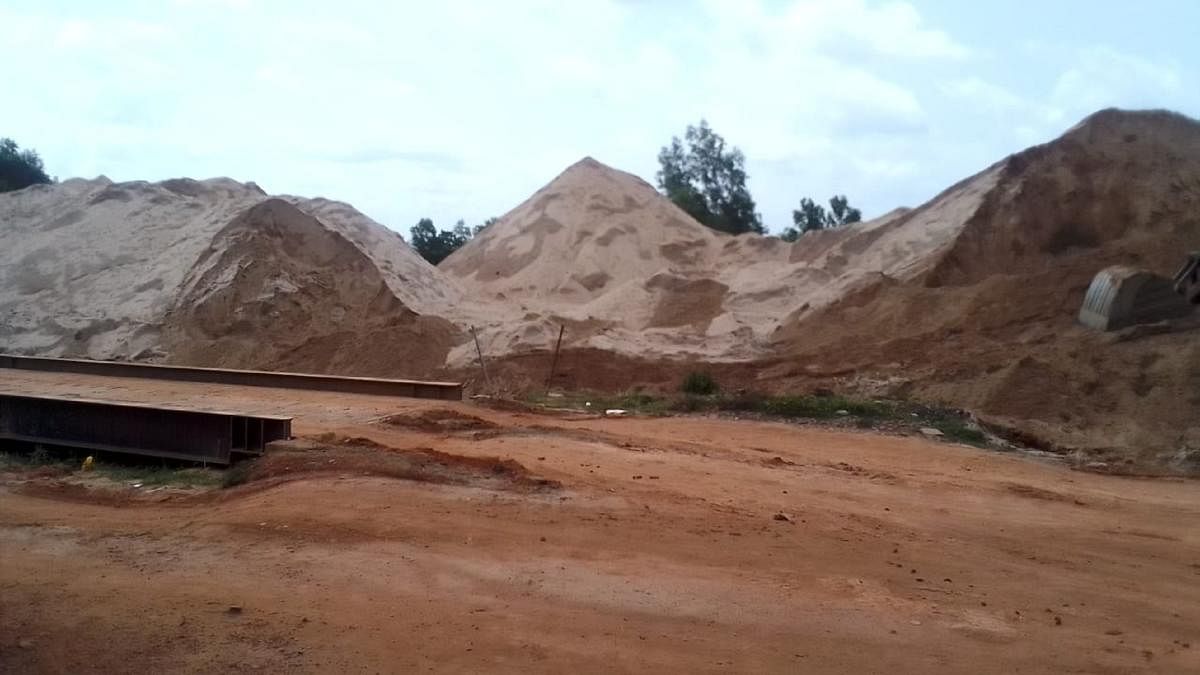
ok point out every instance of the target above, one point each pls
(214, 273)
(988, 323)
(603, 253)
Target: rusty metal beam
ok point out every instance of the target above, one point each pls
(450, 391)
(158, 431)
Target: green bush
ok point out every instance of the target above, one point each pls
(699, 383)
(691, 403)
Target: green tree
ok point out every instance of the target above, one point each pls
(811, 216)
(435, 245)
(19, 168)
(708, 181)
(483, 226)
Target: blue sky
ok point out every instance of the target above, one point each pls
(457, 109)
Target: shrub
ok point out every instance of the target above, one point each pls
(690, 403)
(699, 384)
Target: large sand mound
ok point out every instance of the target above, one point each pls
(215, 273)
(989, 322)
(603, 253)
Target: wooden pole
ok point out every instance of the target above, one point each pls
(482, 365)
(554, 362)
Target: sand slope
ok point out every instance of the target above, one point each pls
(990, 323)
(134, 270)
(603, 253)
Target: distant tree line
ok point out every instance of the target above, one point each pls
(707, 179)
(19, 168)
(436, 245)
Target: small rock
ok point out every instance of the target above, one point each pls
(1058, 621)
(25, 643)
(653, 477)
(930, 431)
(782, 517)
(843, 412)
(541, 459)
(615, 412)
(542, 539)
(637, 477)
(234, 609)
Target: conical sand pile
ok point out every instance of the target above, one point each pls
(214, 273)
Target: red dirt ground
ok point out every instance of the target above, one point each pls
(671, 544)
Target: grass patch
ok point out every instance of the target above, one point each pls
(822, 407)
(59, 461)
(881, 415)
(160, 476)
(959, 431)
(698, 383)
(638, 402)
(237, 474)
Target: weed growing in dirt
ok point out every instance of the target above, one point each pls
(958, 431)
(861, 413)
(38, 459)
(64, 462)
(698, 383)
(645, 404)
(160, 476)
(237, 474)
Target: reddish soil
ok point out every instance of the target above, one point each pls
(667, 544)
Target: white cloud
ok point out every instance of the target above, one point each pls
(982, 93)
(461, 108)
(1103, 77)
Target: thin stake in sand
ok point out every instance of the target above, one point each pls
(482, 365)
(554, 361)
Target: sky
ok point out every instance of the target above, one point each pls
(461, 109)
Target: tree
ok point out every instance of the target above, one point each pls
(812, 216)
(19, 168)
(435, 245)
(708, 181)
(483, 226)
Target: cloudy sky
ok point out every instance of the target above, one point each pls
(461, 109)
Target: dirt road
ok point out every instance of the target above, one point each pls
(671, 544)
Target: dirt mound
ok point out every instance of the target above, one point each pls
(438, 421)
(329, 453)
(989, 322)
(279, 289)
(603, 253)
(215, 273)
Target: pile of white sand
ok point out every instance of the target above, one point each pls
(602, 252)
(91, 268)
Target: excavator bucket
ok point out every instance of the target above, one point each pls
(1187, 279)
(1123, 296)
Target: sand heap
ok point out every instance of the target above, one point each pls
(603, 253)
(214, 272)
(988, 323)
